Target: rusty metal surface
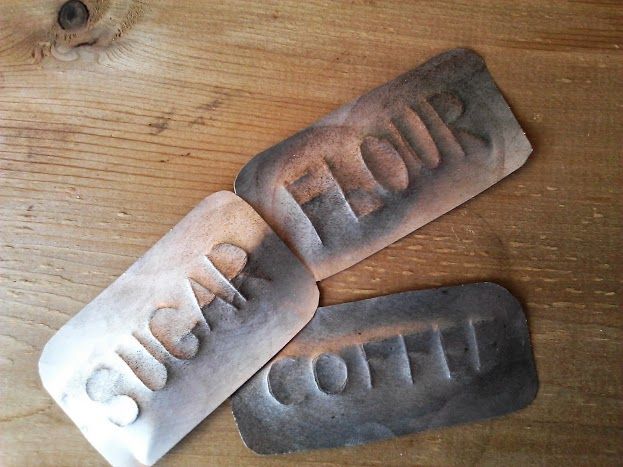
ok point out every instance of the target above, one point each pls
(390, 366)
(387, 163)
(178, 332)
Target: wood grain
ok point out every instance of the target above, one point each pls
(101, 155)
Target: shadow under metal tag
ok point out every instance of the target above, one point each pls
(178, 332)
(390, 366)
(387, 163)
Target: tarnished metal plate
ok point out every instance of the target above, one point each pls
(178, 332)
(389, 162)
(389, 366)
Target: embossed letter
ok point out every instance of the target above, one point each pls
(330, 373)
(104, 386)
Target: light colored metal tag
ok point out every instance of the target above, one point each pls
(178, 332)
(387, 163)
(390, 366)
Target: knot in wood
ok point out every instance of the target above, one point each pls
(73, 15)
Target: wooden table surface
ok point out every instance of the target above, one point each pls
(104, 148)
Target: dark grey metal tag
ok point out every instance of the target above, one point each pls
(389, 366)
(387, 163)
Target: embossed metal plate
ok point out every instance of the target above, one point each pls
(178, 332)
(389, 162)
(389, 366)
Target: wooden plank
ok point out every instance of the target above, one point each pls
(101, 155)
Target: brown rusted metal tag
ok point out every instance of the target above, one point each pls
(390, 366)
(178, 332)
(389, 162)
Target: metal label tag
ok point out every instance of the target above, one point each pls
(178, 332)
(387, 163)
(390, 366)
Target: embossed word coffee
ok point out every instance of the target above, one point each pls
(178, 332)
(389, 366)
(389, 162)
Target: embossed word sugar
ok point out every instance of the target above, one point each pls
(387, 163)
(390, 366)
(178, 332)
